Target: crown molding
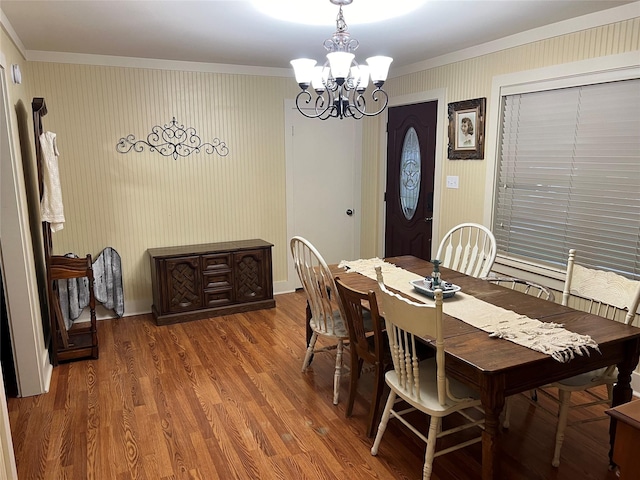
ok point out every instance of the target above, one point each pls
(157, 64)
(592, 20)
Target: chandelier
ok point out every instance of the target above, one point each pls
(340, 84)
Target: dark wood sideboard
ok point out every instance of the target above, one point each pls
(627, 439)
(200, 281)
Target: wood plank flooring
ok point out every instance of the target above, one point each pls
(224, 398)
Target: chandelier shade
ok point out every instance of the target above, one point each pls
(339, 86)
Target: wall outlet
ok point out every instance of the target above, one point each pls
(452, 181)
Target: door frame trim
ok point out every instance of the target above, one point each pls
(438, 95)
(31, 355)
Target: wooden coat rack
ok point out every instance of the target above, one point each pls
(81, 340)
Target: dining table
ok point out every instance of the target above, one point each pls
(497, 367)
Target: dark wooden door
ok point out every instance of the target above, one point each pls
(411, 148)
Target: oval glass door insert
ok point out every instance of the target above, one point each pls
(410, 165)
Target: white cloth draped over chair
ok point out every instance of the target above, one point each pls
(602, 293)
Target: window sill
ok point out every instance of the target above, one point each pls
(544, 275)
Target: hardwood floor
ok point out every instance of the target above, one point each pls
(224, 398)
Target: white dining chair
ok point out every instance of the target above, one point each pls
(327, 315)
(602, 293)
(469, 248)
(424, 384)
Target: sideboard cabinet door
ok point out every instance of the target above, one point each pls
(184, 290)
(252, 274)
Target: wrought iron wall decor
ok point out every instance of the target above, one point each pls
(172, 140)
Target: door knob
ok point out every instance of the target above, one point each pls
(349, 212)
(428, 219)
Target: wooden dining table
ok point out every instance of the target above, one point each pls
(498, 368)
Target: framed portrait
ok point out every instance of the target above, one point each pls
(466, 129)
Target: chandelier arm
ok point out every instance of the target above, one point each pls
(343, 87)
(322, 107)
(378, 95)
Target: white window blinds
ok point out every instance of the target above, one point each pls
(569, 176)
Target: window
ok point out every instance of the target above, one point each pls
(569, 176)
(410, 166)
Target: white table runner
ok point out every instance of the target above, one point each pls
(546, 337)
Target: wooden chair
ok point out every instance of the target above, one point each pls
(469, 248)
(524, 286)
(367, 343)
(602, 293)
(327, 317)
(530, 288)
(423, 385)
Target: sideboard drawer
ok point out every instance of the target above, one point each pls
(218, 261)
(217, 280)
(218, 298)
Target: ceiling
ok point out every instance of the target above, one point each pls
(234, 32)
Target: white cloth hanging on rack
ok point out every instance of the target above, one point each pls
(51, 209)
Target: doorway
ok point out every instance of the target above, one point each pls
(6, 348)
(410, 185)
(30, 353)
(324, 164)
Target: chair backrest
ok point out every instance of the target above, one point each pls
(469, 248)
(318, 284)
(603, 293)
(525, 286)
(354, 305)
(405, 320)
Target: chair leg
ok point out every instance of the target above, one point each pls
(383, 422)
(610, 393)
(565, 398)
(375, 401)
(507, 412)
(309, 354)
(434, 429)
(353, 384)
(338, 372)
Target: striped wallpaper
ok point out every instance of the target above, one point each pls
(473, 79)
(135, 201)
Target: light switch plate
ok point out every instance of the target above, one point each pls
(452, 181)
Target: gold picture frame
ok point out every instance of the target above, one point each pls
(466, 129)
